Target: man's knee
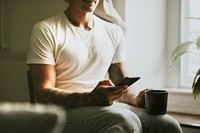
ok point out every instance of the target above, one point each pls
(161, 124)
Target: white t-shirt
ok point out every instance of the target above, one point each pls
(81, 58)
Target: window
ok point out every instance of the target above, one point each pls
(190, 30)
(180, 76)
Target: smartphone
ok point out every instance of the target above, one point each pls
(128, 81)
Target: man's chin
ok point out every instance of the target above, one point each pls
(90, 9)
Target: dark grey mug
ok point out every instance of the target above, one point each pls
(156, 102)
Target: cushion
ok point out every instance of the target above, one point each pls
(29, 118)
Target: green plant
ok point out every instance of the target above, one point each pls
(196, 84)
(182, 49)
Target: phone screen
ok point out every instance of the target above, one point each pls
(128, 81)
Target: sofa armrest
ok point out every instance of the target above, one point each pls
(29, 118)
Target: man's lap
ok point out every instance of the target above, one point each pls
(119, 117)
(109, 119)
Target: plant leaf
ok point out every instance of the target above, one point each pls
(196, 84)
(179, 50)
(193, 18)
(198, 43)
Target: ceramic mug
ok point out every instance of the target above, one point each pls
(156, 102)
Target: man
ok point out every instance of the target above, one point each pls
(69, 57)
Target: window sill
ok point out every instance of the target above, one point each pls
(185, 120)
(182, 101)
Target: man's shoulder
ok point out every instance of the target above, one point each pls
(51, 22)
(53, 19)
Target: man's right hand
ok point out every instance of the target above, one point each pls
(106, 92)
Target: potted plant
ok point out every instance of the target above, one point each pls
(182, 49)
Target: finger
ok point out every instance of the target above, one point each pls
(119, 94)
(143, 91)
(147, 89)
(106, 82)
(113, 96)
(117, 89)
(122, 91)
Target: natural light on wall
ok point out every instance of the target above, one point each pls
(190, 31)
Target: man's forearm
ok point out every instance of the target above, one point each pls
(66, 99)
(117, 72)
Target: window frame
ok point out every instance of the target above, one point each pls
(176, 75)
(186, 71)
(180, 98)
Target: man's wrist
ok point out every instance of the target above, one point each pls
(128, 98)
(85, 99)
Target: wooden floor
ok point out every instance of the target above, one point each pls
(186, 120)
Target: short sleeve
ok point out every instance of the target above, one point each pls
(120, 51)
(41, 48)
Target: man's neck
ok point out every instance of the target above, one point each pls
(80, 19)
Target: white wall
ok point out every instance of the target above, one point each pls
(145, 38)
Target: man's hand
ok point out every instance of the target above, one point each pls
(106, 92)
(137, 101)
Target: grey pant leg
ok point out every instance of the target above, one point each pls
(154, 123)
(108, 119)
